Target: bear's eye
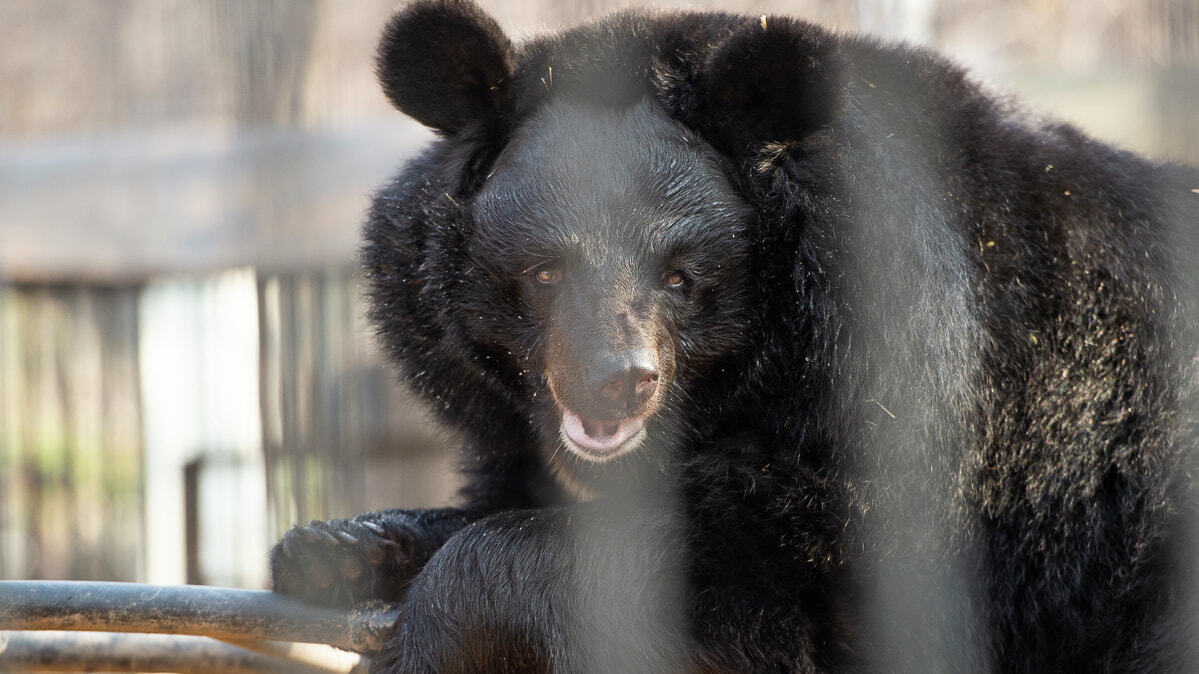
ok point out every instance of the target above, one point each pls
(675, 279)
(549, 275)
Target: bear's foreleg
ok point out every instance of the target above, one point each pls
(567, 589)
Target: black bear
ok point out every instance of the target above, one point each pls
(773, 350)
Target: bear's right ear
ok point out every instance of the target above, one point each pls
(445, 63)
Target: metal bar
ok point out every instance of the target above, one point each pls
(326, 659)
(223, 613)
(51, 651)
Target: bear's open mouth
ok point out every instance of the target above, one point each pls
(601, 440)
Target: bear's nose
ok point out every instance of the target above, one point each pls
(629, 381)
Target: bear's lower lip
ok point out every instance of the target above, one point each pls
(599, 440)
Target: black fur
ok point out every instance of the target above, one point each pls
(916, 371)
(458, 64)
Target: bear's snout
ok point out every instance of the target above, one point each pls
(626, 381)
(609, 385)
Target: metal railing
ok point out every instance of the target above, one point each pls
(129, 627)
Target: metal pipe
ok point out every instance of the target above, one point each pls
(318, 657)
(51, 651)
(223, 613)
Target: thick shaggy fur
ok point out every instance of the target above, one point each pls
(917, 371)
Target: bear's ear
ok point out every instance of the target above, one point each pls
(772, 79)
(445, 63)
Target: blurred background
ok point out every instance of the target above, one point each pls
(184, 366)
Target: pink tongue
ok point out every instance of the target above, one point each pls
(600, 429)
(599, 436)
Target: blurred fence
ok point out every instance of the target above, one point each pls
(172, 429)
(338, 434)
(70, 436)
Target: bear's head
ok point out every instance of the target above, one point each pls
(591, 187)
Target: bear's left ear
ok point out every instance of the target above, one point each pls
(445, 63)
(773, 79)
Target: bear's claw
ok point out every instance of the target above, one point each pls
(342, 562)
